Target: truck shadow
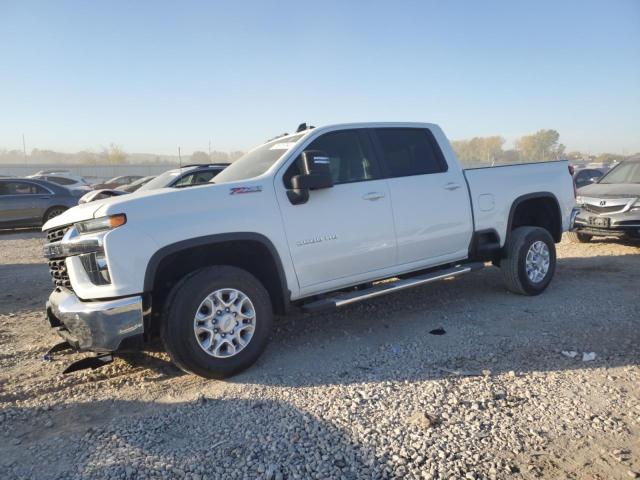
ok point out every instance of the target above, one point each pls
(207, 437)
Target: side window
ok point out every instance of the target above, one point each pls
(19, 188)
(410, 151)
(350, 157)
(203, 177)
(184, 181)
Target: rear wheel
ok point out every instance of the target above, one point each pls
(530, 260)
(577, 237)
(51, 213)
(217, 321)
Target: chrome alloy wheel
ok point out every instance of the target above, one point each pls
(537, 261)
(224, 323)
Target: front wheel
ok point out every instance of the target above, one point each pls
(217, 321)
(530, 260)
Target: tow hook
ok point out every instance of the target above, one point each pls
(89, 362)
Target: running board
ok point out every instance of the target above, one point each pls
(347, 298)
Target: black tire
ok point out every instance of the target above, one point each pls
(513, 265)
(52, 213)
(180, 308)
(577, 237)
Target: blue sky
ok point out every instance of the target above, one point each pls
(155, 75)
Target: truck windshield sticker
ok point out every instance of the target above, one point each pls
(283, 146)
(239, 190)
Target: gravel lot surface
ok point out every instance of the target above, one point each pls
(365, 392)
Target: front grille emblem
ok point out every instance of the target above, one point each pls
(603, 203)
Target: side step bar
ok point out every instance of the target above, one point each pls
(347, 298)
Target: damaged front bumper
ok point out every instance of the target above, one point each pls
(97, 326)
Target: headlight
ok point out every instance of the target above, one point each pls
(100, 224)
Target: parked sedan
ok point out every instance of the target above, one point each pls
(30, 202)
(116, 182)
(610, 207)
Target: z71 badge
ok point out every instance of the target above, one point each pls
(239, 190)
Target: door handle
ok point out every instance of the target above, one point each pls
(451, 186)
(373, 196)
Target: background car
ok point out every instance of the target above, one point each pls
(116, 182)
(30, 202)
(77, 184)
(187, 176)
(132, 187)
(93, 195)
(586, 176)
(610, 207)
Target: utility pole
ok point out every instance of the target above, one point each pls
(179, 157)
(24, 149)
(209, 150)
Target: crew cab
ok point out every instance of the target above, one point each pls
(312, 220)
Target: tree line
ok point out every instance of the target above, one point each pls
(112, 155)
(540, 146)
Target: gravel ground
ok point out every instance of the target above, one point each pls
(366, 392)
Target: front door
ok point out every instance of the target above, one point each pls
(18, 203)
(344, 232)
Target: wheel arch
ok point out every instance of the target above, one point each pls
(250, 251)
(538, 209)
(52, 207)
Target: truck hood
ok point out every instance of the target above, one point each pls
(84, 211)
(163, 202)
(610, 190)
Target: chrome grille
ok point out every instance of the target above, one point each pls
(56, 234)
(59, 274)
(606, 209)
(57, 267)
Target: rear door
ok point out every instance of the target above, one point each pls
(431, 209)
(345, 232)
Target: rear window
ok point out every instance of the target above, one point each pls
(409, 151)
(61, 180)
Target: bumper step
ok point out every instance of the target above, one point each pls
(340, 300)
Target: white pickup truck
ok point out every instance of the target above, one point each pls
(314, 220)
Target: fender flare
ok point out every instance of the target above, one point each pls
(535, 195)
(157, 258)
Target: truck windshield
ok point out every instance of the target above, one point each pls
(623, 173)
(258, 160)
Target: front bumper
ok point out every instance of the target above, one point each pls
(99, 326)
(620, 224)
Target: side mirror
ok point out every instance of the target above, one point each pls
(316, 174)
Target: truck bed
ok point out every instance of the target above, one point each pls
(493, 190)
